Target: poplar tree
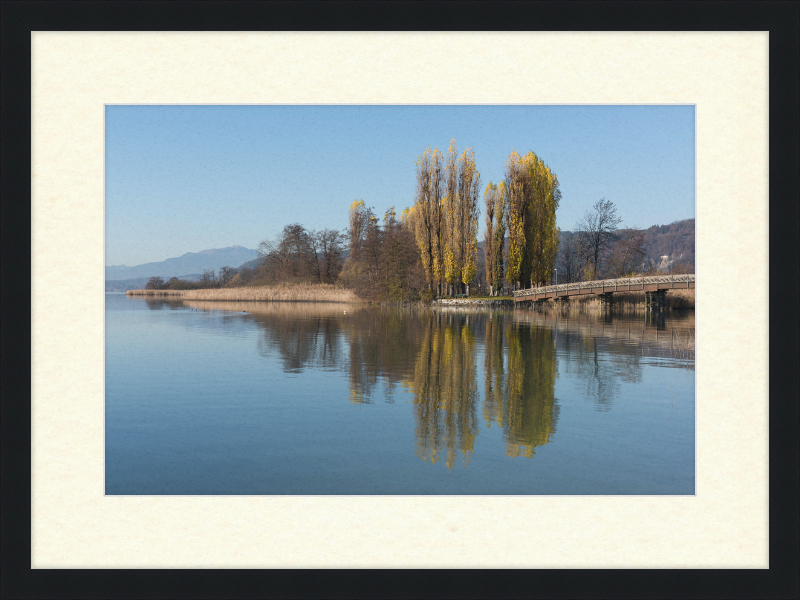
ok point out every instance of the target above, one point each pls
(424, 215)
(516, 215)
(469, 182)
(452, 219)
(445, 216)
(438, 221)
(494, 236)
(489, 199)
(359, 220)
(542, 234)
(500, 236)
(533, 195)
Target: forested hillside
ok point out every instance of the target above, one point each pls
(676, 241)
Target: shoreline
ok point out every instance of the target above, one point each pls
(327, 293)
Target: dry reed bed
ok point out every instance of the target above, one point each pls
(283, 309)
(157, 293)
(311, 292)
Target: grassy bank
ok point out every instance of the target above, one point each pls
(306, 292)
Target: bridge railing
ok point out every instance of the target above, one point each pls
(582, 285)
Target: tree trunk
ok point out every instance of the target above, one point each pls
(468, 290)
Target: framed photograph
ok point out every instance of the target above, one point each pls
(152, 128)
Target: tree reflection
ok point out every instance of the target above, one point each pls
(493, 372)
(531, 413)
(302, 335)
(445, 391)
(382, 345)
(434, 356)
(153, 304)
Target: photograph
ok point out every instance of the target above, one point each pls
(408, 300)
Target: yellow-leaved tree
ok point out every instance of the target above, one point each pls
(541, 234)
(452, 254)
(532, 197)
(438, 220)
(469, 184)
(445, 218)
(516, 215)
(494, 236)
(424, 215)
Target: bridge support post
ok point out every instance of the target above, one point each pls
(607, 300)
(655, 300)
(661, 302)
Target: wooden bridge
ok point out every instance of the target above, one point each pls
(655, 288)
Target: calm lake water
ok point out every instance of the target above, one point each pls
(293, 398)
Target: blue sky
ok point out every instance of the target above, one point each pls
(187, 178)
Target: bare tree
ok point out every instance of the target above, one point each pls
(597, 232)
(246, 275)
(209, 279)
(569, 260)
(388, 264)
(225, 275)
(291, 257)
(628, 253)
(155, 283)
(330, 249)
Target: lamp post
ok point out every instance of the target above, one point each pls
(556, 272)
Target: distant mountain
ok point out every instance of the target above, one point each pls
(191, 262)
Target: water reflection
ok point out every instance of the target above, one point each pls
(655, 318)
(164, 304)
(436, 356)
(445, 388)
(531, 412)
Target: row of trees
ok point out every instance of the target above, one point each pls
(433, 245)
(300, 255)
(444, 217)
(383, 261)
(524, 205)
(210, 279)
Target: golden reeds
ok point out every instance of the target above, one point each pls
(290, 309)
(305, 292)
(161, 293)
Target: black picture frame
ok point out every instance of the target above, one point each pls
(19, 18)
